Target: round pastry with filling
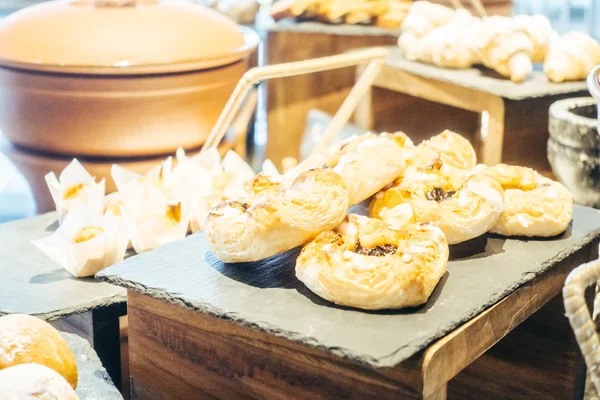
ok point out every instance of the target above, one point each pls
(364, 263)
(26, 339)
(279, 217)
(465, 206)
(534, 205)
(369, 162)
(448, 151)
(34, 381)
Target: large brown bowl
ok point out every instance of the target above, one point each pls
(117, 78)
(113, 116)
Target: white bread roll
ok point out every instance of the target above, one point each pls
(34, 381)
(25, 339)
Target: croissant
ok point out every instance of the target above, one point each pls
(448, 46)
(366, 264)
(369, 162)
(422, 18)
(571, 57)
(505, 48)
(539, 30)
(277, 218)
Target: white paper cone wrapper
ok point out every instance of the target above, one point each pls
(148, 222)
(268, 168)
(75, 187)
(86, 257)
(113, 203)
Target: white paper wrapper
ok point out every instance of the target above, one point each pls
(75, 187)
(158, 181)
(113, 203)
(152, 222)
(268, 168)
(86, 242)
(237, 172)
(204, 180)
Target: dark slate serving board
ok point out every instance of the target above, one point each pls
(94, 382)
(486, 80)
(31, 283)
(267, 296)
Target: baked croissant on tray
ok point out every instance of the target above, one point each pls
(571, 57)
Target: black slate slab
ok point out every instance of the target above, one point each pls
(267, 296)
(31, 283)
(94, 382)
(486, 80)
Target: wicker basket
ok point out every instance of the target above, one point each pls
(579, 315)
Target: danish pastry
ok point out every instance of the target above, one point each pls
(533, 204)
(451, 149)
(278, 219)
(464, 206)
(369, 162)
(364, 263)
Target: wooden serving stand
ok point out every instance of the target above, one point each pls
(498, 102)
(199, 328)
(420, 106)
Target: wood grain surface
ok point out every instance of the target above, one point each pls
(179, 353)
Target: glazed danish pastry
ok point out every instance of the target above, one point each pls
(278, 217)
(533, 204)
(364, 263)
(463, 206)
(369, 162)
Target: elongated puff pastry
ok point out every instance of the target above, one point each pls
(572, 57)
(369, 162)
(463, 206)
(502, 46)
(285, 216)
(366, 264)
(533, 204)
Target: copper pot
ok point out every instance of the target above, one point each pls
(117, 78)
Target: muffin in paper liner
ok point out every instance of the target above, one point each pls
(86, 242)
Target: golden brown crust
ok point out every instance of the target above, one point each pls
(275, 221)
(366, 264)
(369, 162)
(452, 149)
(463, 206)
(534, 205)
(26, 339)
